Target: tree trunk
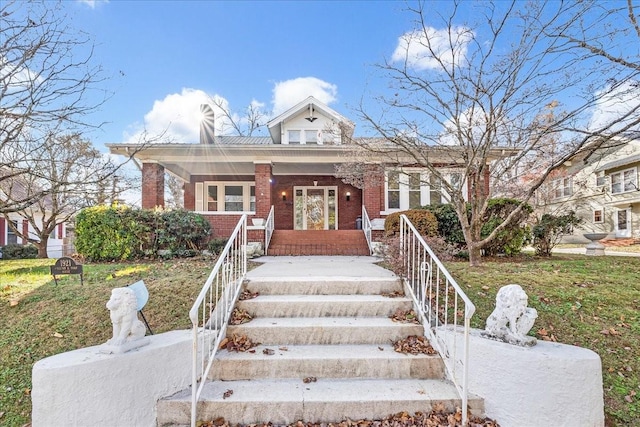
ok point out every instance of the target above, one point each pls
(475, 255)
(42, 247)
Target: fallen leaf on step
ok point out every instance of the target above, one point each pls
(380, 348)
(309, 380)
(268, 352)
(283, 349)
(227, 393)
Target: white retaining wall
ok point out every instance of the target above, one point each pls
(549, 384)
(86, 388)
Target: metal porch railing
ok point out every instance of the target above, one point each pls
(366, 228)
(212, 309)
(268, 230)
(443, 306)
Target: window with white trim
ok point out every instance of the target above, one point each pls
(294, 136)
(598, 216)
(12, 237)
(226, 197)
(310, 136)
(624, 181)
(562, 187)
(393, 190)
(601, 179)
(304, 137)
(408, 189)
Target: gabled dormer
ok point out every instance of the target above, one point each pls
(310, 122)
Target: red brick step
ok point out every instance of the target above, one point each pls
(318, 242)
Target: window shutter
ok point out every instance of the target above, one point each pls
(199, 196)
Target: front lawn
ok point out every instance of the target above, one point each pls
(593, 302)
(40, 319)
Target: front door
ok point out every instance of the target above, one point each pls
(623, 223)
(315, 208)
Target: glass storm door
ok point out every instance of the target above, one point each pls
(315, 208)
(623, 223)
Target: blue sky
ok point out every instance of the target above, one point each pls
(165, 58)
(163, 55)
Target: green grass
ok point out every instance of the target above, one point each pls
(40, 319)
(591, 302)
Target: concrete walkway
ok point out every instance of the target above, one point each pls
(314, 266)
(582, 251)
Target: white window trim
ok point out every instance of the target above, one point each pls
(593, 216)
(425, 188)
(559, 183)
(634, 172)
(201, 191)
(303, 136)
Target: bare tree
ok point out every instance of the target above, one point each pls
(466, 84)
(72, 175)
(48, 85)
(175, 188)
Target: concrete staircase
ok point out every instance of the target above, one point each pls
(318, 242)
(326, 354)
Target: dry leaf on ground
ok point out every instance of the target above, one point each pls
(414, 344)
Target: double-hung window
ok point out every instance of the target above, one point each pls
(562, 187)
(226, 197)
(412, 188)
(624, 181)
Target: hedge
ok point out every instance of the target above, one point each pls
(120, 233)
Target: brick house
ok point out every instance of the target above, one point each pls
(293, 169)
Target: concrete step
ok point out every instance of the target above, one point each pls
(327, 400)
(325, 361)
(324, 330)
(323, 285)
(324, 305)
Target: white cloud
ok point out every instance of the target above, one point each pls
(177, 118)
(615, 103)
(424, 49)
(288, 93)
(92, 3)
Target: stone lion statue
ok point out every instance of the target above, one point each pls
(124, 317)
(511, 320)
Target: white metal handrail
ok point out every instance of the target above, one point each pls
(366, 228)
(268, 230)
(212, 309)
(443, 306)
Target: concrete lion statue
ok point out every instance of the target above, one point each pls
(124, 317)
(511, 320)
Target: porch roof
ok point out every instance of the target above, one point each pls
(185, 160)
(625, 161)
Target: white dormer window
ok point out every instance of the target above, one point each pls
(294, 137)
(304, 136)
(310, 136)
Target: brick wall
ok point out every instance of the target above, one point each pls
(264, 196)
(347, 210)
(189, 196)
(152, 185)
(374, 195)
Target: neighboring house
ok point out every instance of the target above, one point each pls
(17, 191)
(603, 188)
(293, 169)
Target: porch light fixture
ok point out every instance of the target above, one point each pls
(348, 196)
(284, 196)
